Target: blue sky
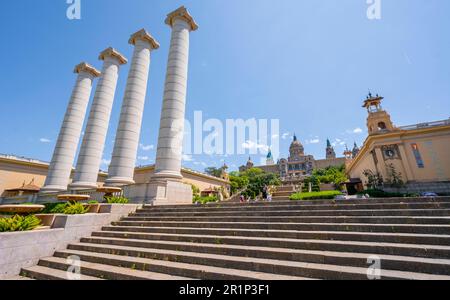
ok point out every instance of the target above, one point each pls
(307, 63)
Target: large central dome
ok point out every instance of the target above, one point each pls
(296, 150)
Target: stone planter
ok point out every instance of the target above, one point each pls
(24, 249)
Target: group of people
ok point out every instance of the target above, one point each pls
(266, 196)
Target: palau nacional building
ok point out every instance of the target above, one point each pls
(418, 153)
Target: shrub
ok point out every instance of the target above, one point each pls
(117, 200)
(54, 208)
(93, 202)
(19, 223)
(315, 195)
(204, 200)
(75, 209)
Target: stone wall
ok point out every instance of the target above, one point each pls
(442, 187)
(24, 249)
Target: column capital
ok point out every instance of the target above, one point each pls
(111, 52)
(181, 13)
(85, 67)
(144, 36)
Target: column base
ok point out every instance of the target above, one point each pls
(167, 175)
(79, 186)
(118, 182)
(52, 189)
(160, 192)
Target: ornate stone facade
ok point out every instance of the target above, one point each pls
(298, 164)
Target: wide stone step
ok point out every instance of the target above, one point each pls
(269, 213)
(362, 227)
(290, 219)
(205, 244)
(400, 238)
(294, 206)
(269, 259)
(311, 202)
(104, 271)
(283, 193)
(174, 268)
(45, 273)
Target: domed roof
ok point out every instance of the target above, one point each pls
(296, 142)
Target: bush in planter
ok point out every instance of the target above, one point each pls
(315, 195)
(19, 223)
(75, 209)
(205, 200)
(117, 200)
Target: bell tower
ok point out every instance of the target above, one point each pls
(378, 121)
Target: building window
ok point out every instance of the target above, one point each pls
(418, 156)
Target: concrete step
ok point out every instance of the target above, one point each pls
(311, 202)
(297, 212)
(399, 238)
(280, 198)
(300, 206)
(203, 272)
(285, 189)
(45, 273)
(204, 243)
(268, 259)
(104, 271)
(361, 227)
(283, 193)
(289, 219)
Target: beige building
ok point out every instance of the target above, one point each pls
(17, 173)
(298, 165)
(419, 153)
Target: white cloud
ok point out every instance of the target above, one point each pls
(187, 157)
(313, 141)
(146, 147)
(357, 130)
(275, 136)
(285, 135)
(200, 163)
(143, 158)
(106, 162)
(254, 146)
(44, 140)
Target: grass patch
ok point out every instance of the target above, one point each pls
(315, 195)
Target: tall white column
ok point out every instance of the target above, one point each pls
(69, 136)
(121, 169)
(171, 131)
(90, 157)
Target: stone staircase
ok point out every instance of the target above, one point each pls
(267, 241)
(283, 193)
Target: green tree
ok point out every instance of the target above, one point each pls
(334, 175)
(213, 171)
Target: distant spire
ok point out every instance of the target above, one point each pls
(269, 155)
(328, 143)
(295, 137)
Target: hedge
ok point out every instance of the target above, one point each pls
(315, 195)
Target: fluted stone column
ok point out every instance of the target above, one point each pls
(69, 136)
(121, 169)
(171, 131)
(90, 157)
